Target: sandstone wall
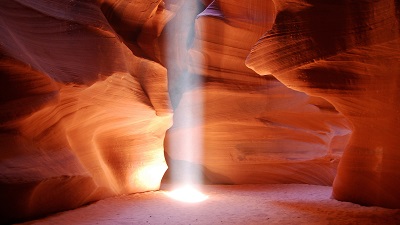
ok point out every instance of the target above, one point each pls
(346, 52)
(253, 128)
(83, 117)
(88, 90)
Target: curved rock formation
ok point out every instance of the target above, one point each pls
(348, 53)
(82, 118)
(85, 89)
(253, 128)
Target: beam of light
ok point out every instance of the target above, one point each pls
(184, 58)
(187, 194)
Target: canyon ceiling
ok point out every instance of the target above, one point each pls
(96, 94)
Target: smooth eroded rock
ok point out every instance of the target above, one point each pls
(82, 117)
(239, 126)
(351, 60)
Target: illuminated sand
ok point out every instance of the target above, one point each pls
(236, 204)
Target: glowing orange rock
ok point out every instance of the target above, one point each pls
(253, 129)
(82, 118)
(351, 60)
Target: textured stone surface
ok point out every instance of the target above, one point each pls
(82, 118)
(87, 90)
(352, 60)
(253, 129)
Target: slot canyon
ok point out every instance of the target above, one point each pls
(108, 98)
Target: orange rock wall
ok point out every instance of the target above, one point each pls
(254, 129)
(88, 90)
(83, 116)
(346, 52)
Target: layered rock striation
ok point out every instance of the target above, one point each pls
(346, 52)
(88, 90)
(82, 117)
(252, 128)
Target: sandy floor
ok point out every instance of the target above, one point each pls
(238, 204)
